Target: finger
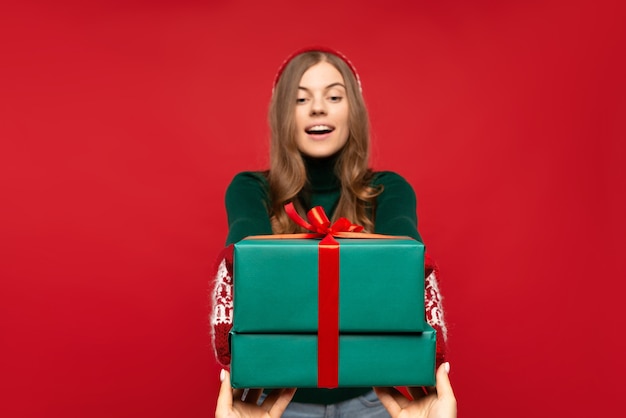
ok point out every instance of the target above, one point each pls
(253, 395)
(444, 388)
(279, 402)
(392, 399)
(271, 398)
(225, 396)
(238, 394)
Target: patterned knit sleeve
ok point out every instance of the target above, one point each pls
(221, 299)
(434, 308)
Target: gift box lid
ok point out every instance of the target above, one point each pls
(381, 285)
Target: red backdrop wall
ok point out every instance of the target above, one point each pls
(122, 122)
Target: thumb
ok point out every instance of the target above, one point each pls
(444, 388)
(225, 397)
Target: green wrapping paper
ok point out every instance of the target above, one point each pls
(381, 286)
(277, 361)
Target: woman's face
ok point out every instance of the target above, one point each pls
(321, 111)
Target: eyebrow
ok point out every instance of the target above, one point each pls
(325, 88)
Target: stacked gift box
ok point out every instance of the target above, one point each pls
(290, 329)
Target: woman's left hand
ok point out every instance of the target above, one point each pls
(439, 403)
(231, 405)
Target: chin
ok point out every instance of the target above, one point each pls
(321, 150)
(319, 153)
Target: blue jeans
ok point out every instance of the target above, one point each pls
(366, 406)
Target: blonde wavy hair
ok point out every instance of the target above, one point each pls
(287, 173)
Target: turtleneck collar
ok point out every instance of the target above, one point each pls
(321, 173)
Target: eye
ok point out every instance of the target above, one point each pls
(335, 99)
(301, 100)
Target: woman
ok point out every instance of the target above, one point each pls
(319, 157)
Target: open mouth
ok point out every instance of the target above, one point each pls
(319, 129)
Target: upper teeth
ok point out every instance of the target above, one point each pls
(320, 128)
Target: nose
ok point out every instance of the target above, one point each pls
(317, 107)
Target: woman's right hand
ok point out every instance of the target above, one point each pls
(436, 404)
(231, 405)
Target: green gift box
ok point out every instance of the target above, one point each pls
(372, 334)
(290, 360)
(381, 285)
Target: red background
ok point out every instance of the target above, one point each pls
(122, 122)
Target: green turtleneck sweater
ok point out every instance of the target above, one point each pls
(248, 204)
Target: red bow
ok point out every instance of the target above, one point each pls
(320, 223)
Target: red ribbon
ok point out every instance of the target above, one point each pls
(328, 289)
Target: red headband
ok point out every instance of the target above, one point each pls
(321, 49)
